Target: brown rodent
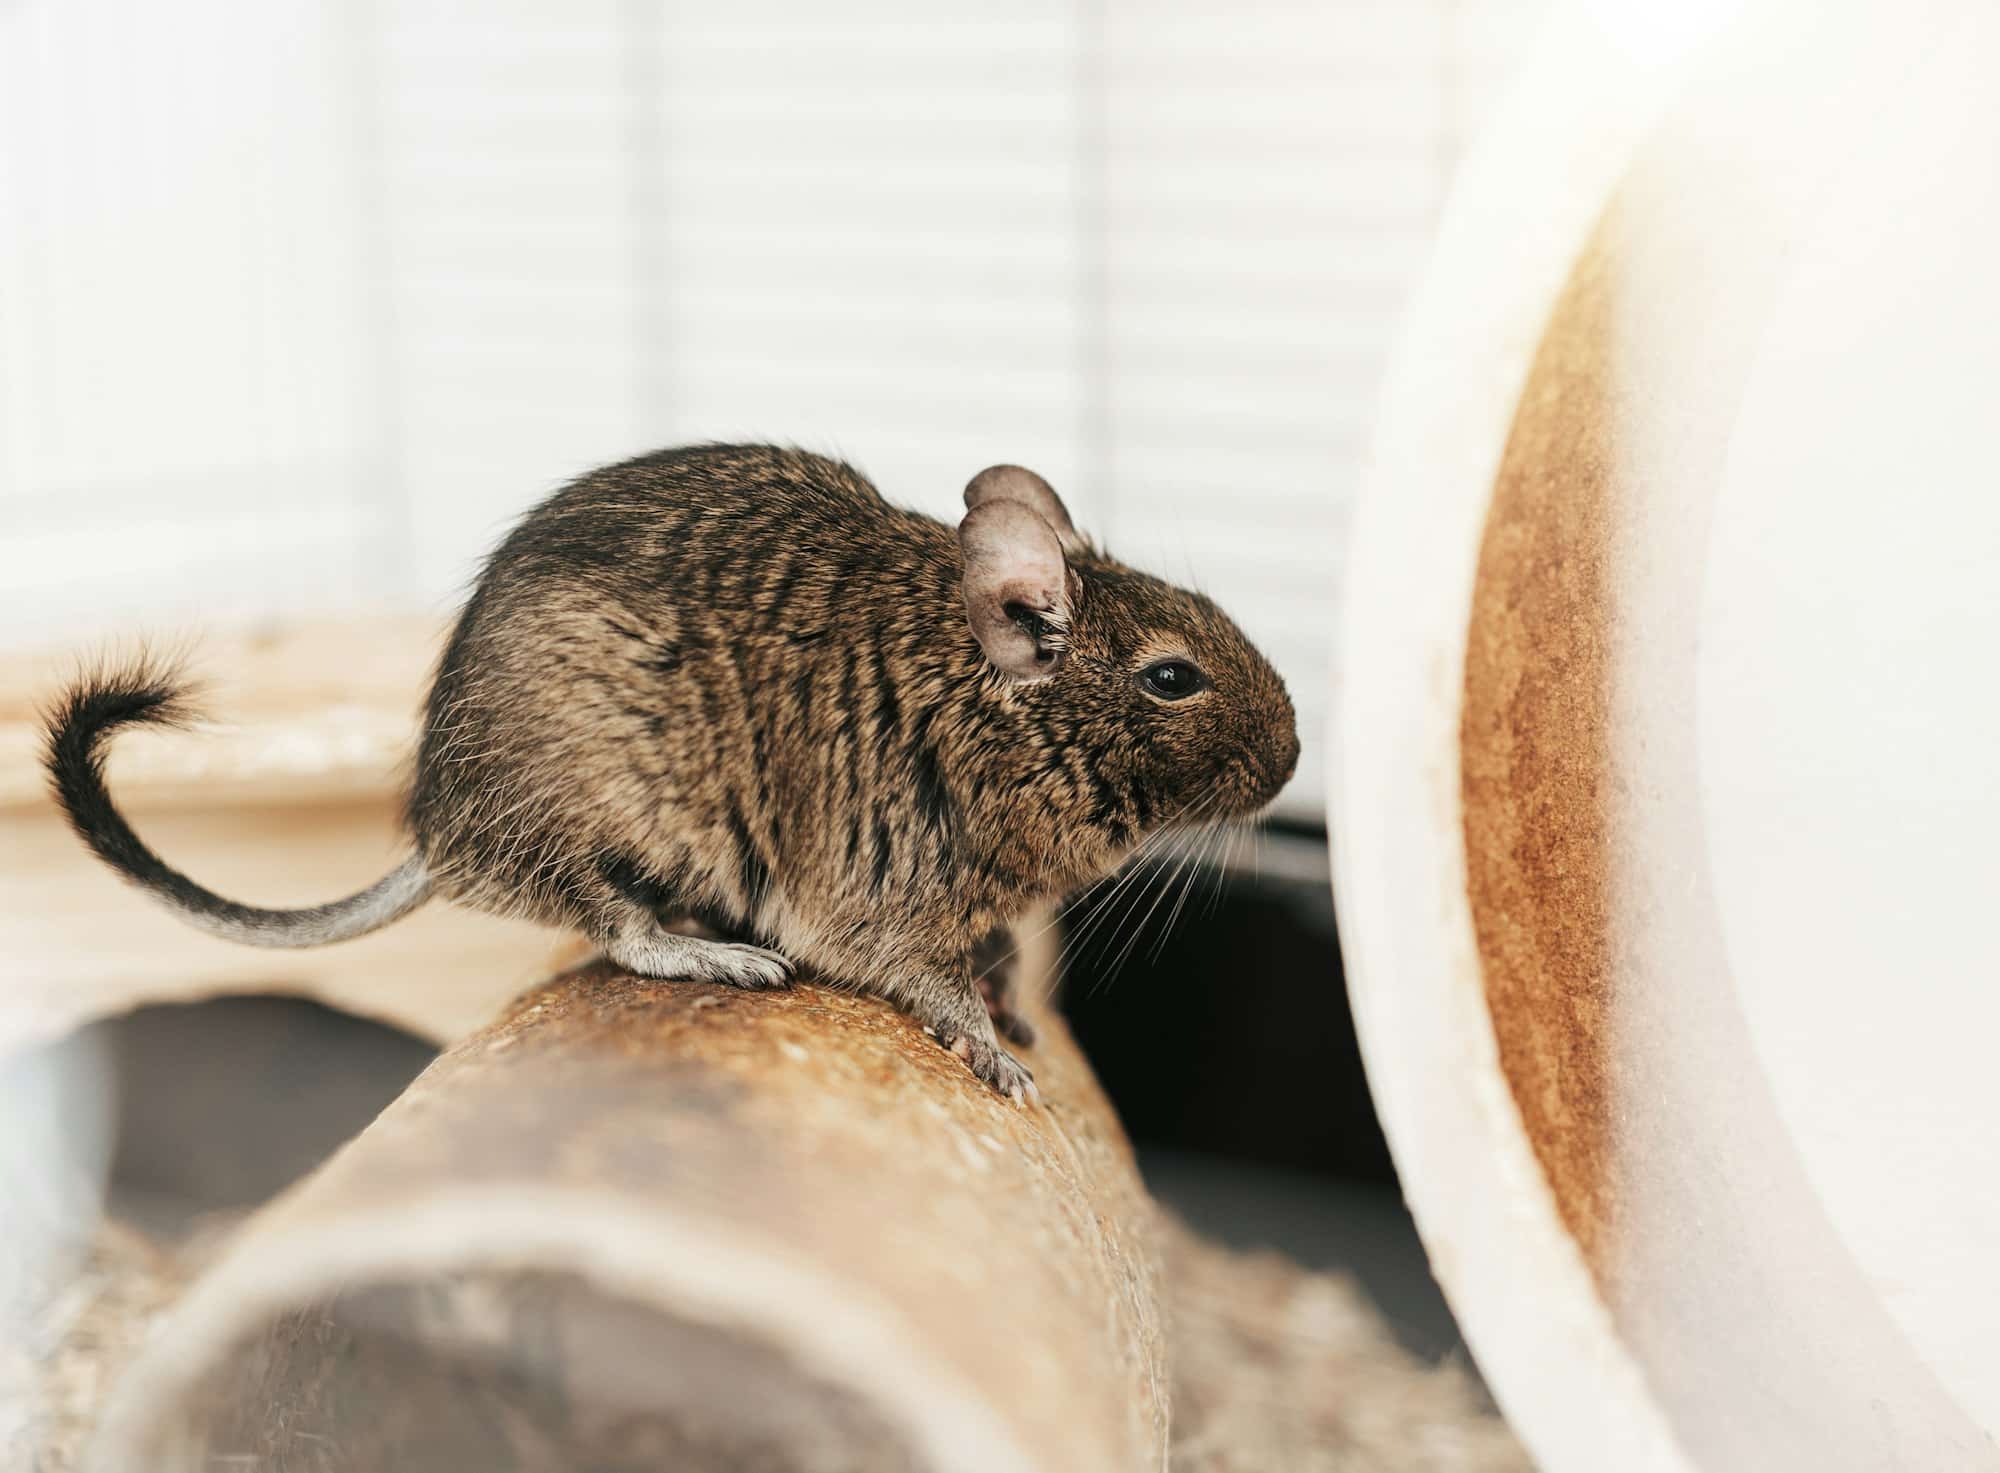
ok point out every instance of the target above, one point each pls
(733, 683)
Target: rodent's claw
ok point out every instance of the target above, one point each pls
(754, 967)
(1006, 1074)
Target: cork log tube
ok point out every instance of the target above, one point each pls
(633, 1225)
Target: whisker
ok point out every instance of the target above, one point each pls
(1063, 910)
(1186, 867)
(1224, 872)
(1103, 921)
(1187, 889)
(1130, 883)
(1132, 890)
(1140, 857)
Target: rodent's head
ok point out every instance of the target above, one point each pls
(1175, 706)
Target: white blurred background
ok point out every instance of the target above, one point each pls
(301, 301)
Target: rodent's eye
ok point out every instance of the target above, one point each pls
(1172, 680)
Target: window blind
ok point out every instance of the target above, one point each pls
(306, 300)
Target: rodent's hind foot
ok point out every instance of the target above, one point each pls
(999, 1001)
(993, 1064)
(995, 966)
(671, 957)
(1016, 1029)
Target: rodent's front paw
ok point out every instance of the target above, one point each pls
(992, 1063)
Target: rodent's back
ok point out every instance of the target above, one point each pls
(719, 624)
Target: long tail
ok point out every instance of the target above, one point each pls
(78, 728)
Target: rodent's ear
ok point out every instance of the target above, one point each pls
(1018, 483)
(1016, 588)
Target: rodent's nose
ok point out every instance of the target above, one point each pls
(1273, 766)
(1281, 762)
(1288, 758)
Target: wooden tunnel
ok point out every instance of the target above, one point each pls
(689, 1227)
